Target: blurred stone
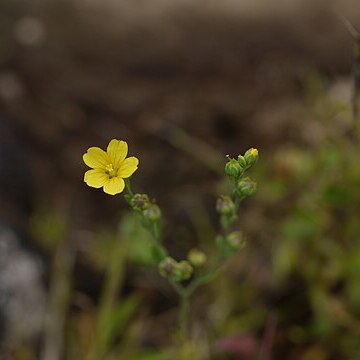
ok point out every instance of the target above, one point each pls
(11, 87)
(30, 31)
(22, 285)
(22, 293)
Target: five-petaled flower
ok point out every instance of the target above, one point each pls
(109, 168)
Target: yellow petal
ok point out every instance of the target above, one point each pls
(117, 150)
(96, 178)
(128, 167)
(114, 186)
(96, 158)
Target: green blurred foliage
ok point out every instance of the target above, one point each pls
(49, 227)
(317, 232)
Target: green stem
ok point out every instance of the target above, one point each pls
(202, 280)
(185, 294)
(60, 292)
(184, 317)
(184, 310)
(154, 230)
(114, 278)
(128, 187)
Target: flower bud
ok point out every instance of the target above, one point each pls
(242, 162)
(235, 240)
(233, 168)
(251, 156)
(245, 187)
(196, 257)
(167, 267)
(140, 202)
(225, 205)
(152, 213)
(183, 271)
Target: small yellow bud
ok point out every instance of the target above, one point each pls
(254, 152)
(196, 257)
(251, 156)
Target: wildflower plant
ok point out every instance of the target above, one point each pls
(112, 171)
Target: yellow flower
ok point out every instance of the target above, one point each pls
(109, 168)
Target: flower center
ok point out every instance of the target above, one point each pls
(109, 169)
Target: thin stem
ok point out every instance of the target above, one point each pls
(114, 278)
(184, 316)
(59, 301)
(128, 187)
(202, 280)
(154, 231)
(180, 290)
(184, 310)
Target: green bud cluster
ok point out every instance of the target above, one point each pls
(227, 207)
(235, 169)
(151, 220)
(149, 211)
(140, 202)
(174, 270)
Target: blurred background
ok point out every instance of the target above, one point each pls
(184, 83)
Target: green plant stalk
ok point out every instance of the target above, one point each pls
(184, 310)
(184, 316)
(114, 277)
(60, 294)
(185, 293)
(128, 187)
(153, 228)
